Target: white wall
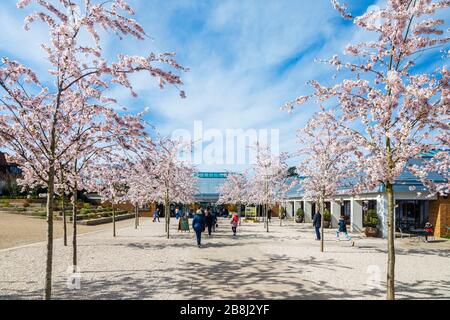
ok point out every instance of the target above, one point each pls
(335, 213)
(308, 211)
(356, 216)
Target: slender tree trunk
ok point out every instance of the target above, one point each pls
(138, 216)
(167, 215)
(240, 214)
(63, 210)
(136, 213)
(322, 212)
(114, 220)
(391, 246)
(74, 227)
(49, 262)
(267, 218)
(281, 218)
(390, 225)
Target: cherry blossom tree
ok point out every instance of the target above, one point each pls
(234, 191)
(327, 158)
(109, 178)
(395, 110)
(98, 135)
(165, 178)
(268, 184)
(32, 111)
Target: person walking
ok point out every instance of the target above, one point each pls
(156, 215)
(234, 224)
(209, 220)
(317, 223)
(178, 213)
(198, 224)
(429, 231)
(215, 225)
(342, 223)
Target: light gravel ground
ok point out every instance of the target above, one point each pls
(17, 230)
(283, 264)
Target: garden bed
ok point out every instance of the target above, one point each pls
(95, 222)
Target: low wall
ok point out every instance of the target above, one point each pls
(95, 222)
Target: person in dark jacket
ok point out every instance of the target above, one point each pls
(214, 215)
(342, 223)
(156, 215)
(209, 220)
(317, 223)
(198, 224)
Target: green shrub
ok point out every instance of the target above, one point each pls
(282, 212)
(300, 213)
(4, 204)
(87, 206)
(371, 219)
(42, 214)
(326, 215)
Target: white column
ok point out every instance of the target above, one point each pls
(382, 211)
(308, 211)
(356, 217)
(335, 213)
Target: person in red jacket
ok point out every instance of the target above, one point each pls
(428, 231)
(234, 224)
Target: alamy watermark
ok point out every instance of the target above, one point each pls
(235, 146)
(73, 278)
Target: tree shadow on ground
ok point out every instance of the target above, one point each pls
(278, 277)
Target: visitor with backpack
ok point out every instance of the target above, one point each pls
(156, 215)
(342, 223)
(198, 224)
(209, 220)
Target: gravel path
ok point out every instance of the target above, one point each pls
(17, 230)
(283, 264)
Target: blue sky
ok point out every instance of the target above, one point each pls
(246, 58)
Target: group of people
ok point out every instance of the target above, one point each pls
(206, 219)
(342, 223)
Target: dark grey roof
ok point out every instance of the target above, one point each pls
(403, 183)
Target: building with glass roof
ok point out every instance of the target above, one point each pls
(208, 186)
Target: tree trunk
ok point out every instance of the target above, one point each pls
(63, 211)
(322, 212)
(49, 262)
(240, 214)
(281, 218)
(267, 218)
(167, 216)
(74, 226)
(138, 216)
(391, 246)
(136, 213)
(114, 220)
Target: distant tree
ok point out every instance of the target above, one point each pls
(292, 172)
(267, 185)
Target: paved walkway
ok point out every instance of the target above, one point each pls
(283, 264)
